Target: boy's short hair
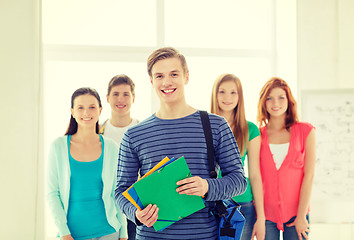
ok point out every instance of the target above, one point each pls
(121, 79)
(164, 53)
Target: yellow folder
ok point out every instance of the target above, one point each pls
(132, 199)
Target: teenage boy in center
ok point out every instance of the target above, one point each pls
(120, 96)
(175, 130)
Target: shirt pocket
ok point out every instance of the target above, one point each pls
(298, 159)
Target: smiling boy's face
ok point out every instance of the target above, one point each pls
(168, 80)
(121, 99)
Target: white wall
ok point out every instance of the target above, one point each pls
(325, 54)
(325, 44)
(19, 154)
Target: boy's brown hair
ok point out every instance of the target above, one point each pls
(121, 79)
(164, 53)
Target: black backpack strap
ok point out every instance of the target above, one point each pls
(228, 231)
(209, 142)
(210, 149)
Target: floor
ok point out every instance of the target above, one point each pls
(321, 231)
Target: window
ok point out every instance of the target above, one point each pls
(103, 23)
(86, 43)
(227, 24)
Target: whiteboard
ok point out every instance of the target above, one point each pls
(332, 113)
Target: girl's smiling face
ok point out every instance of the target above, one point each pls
(86, 110)
(227, 96)
(277, 102)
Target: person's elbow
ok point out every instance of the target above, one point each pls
(243, 184)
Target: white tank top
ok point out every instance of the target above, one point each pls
(279, 152)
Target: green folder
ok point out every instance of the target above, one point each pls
(160, 188)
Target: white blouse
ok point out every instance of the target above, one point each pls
(279, 152)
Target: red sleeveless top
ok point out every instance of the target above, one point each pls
(281, 188)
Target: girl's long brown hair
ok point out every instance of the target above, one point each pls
(240, 126)
(262, 114)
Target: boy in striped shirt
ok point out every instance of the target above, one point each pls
(175, 130)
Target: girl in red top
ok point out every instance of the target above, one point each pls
(287, 162)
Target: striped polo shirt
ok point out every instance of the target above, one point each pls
(147, 143)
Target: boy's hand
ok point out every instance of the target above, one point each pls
(147, 216)
(193, 186)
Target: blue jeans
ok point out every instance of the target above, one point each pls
(131, 230)
(273, 233)
(249, 212)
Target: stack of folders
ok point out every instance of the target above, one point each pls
(158, 186)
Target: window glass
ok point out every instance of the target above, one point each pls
(105, 22)
(253, 73)
(234, 24)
